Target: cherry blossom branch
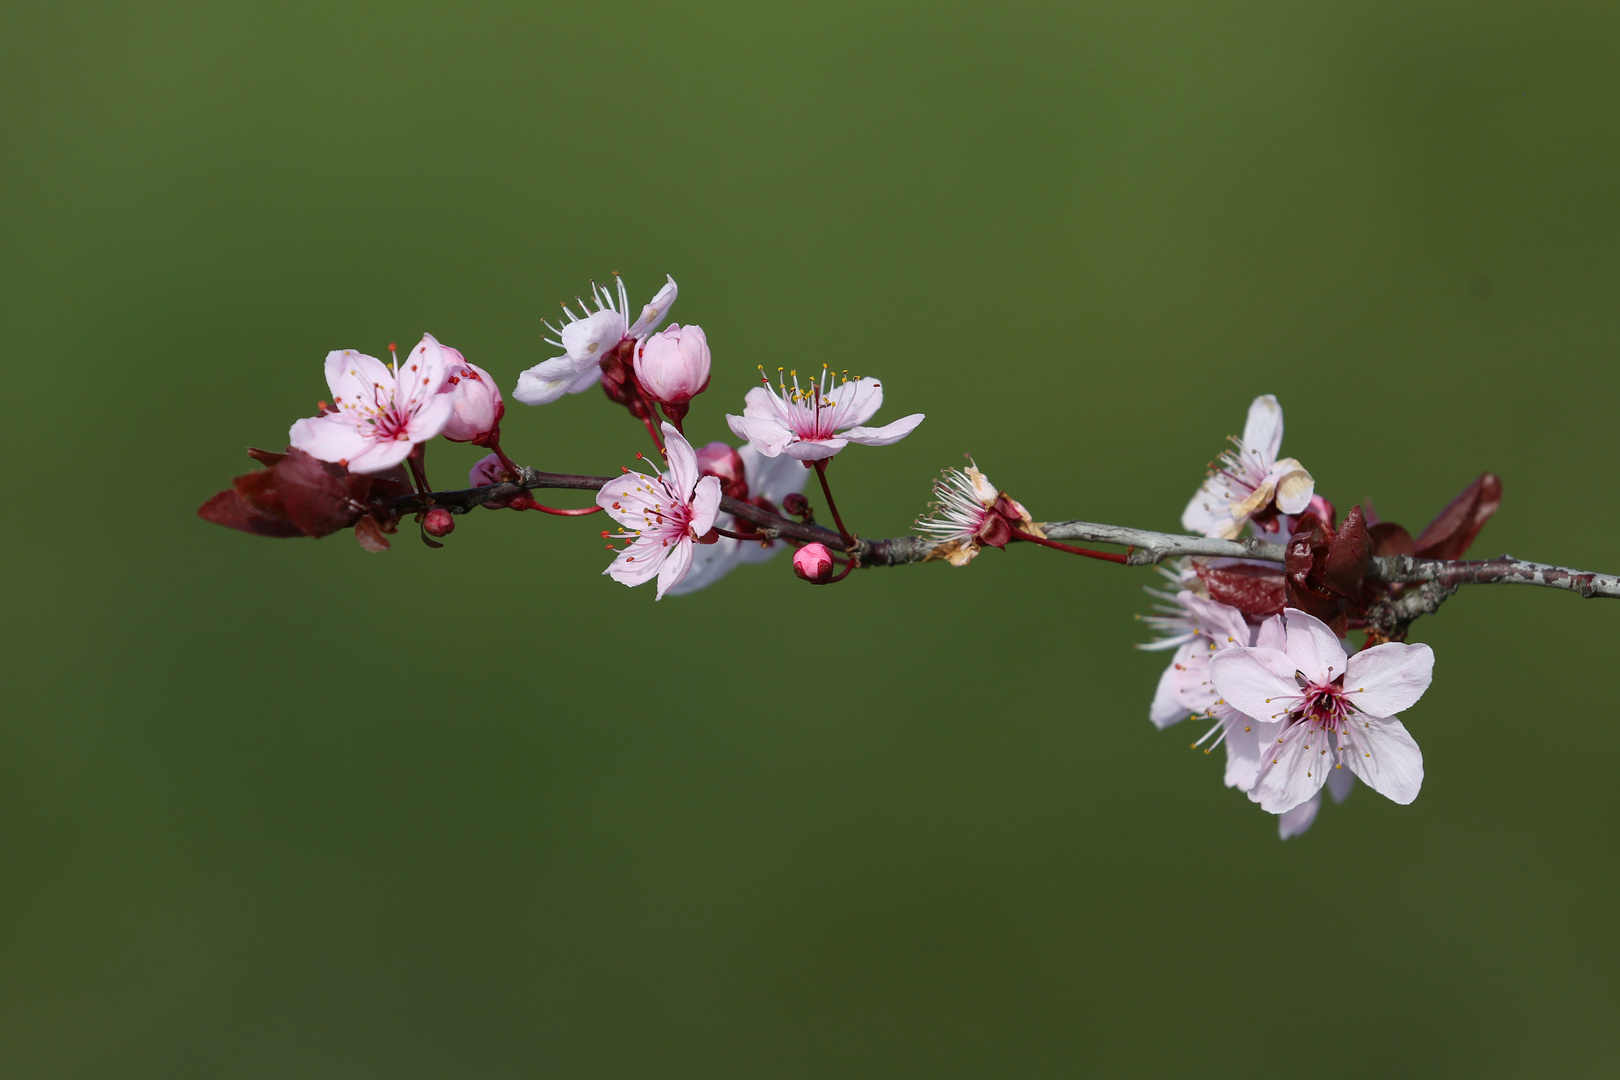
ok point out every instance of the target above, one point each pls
(1144, 547)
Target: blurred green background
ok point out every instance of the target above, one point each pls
(286, 809)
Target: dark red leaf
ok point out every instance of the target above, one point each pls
(1453, 530)
(1348, 555)
(1389, 538)
(1252, 589)
(229, 509)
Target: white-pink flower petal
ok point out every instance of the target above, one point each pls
(1389, 678)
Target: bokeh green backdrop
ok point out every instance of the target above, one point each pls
(286, 809)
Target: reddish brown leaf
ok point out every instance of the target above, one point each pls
(1252, 589)
(1389, 538)
(1348, 555)
(229, 509)
(1453, 530)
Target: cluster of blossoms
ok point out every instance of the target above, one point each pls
(361, 462)
(1260, 649)
(1260, 645)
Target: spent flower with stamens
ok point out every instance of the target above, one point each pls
(815, 422)
(379, 412)
(968, 513)
(664, 516)
(1335, 711)
(590, 338)
(1247, 479)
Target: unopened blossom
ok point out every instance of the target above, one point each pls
(587, 338)
(476, 405)
(1335, 711)
(1247, 478)
(969, 512)
(1199, 629)
(745, 474)
(814, 563)
(379, 412)
(664, 516)
(673, 364)
(816, 422)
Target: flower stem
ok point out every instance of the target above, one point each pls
(583, 511)
(1105, 556)
(821, 474)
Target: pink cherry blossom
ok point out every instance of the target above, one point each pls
(1199, 629)
(1248, 477)
(476, 406)
(379, 413)
(665, 515)
(673, 364)
(762, 481)
(815, 423)
(1334, 711)
(814, 563)
(587, 338)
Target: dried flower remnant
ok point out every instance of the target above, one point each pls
(969, 513)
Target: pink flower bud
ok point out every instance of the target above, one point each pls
(476, 406)
(489, 470)
(814, 563)
(438, 522)
(673, 365)
(723, 463)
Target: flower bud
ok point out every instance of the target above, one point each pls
(720, 461)
(438, 522)
(673, 365)
(797, 505)
(814, 563)
(476, 406)
(489, 470)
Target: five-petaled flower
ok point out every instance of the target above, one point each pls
(1248, 477)
(588, 338)
(1334, 711)
(380, 412)
(664, 516)
(814, 423)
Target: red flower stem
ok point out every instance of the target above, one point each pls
(821, 474)
(836, 578)
(1105, 556)
(652, 428)
(506, 463)
(417, 461)
(583, 511)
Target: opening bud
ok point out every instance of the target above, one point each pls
(814, 563)
(438, 522)
(673, 365)
(476, 406)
